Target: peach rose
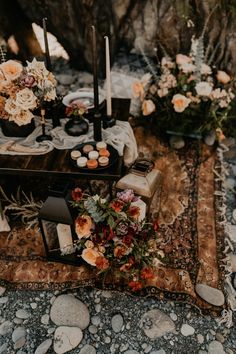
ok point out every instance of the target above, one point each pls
(203, 88)
(11, 69)
(138, 90)
(148, 107)
(83, 225)
(182, 59)
(90, 256)
(22, 118)
(11, 107)
(180, 102)
(222, 77)
(26, 99)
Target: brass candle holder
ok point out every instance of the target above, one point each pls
(43, 136)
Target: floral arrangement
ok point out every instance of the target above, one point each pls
(111, 236)
(23, 89)
(76, 109)
(186, 94)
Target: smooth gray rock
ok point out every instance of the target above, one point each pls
(200, 338)
(232, 233)
(43, 347)
(159, 324)
(232, 258)
(160, 351)
(66, 339)
(18, 333)
(234, 214)
(20, 343)
(187, 330)
(215, 347)
(3, 300)
(69, 311)
(210, 138)
(131, 352)
(2, 290)
(88, 349)
(3, 348)
(173, 316)
(45, 319)
(117, 322)
(23, 314)
(5, 328)
(211, 295)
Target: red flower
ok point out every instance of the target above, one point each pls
(102, 263)
(134, 212)
(117, 205)
(77, 194)
(147, 273)
(127, 239)
(135, 285)
(155, 225)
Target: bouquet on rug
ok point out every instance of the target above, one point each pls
(112, 236)
(23, 89)
(186, 94)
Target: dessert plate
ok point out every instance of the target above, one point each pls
(112, 158)
(84, 96)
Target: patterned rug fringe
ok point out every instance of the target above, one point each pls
(230, 293)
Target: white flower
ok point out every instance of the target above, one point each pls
(187, 68)
(26, 99)
(37, 69)
(11, 107)
(162, 92)
(205, 69)
(180, 102)
(22, 118)
(203, 88)
(97, 198)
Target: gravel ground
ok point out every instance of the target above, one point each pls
(111, 322)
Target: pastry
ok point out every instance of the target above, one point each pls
(93, 155)
(81, 161)
(103, 161)
(87, 148)
(101, 145)
(92, 164)
(104, 152)
(75, 154)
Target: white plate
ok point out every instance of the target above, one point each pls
(85, 96)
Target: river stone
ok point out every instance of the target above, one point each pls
(117, 323)
(158, 324)
(131, 352)
(2, 290)
(211, 295)
(5, 327)
(87, 349)
(187, 330)
(69, 311)
(232, 232)
(232, 258)
(23, 314)
(234, 214)
(210, 138)
(66, 339)
(215, 347)
(43, 347)
(18, 333)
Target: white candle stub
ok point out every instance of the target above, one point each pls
(108, 78)
(64, 236)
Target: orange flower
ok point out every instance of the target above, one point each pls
(77, 194)
(11, 69)
(134, 212)
(117, 205)
(119, 251)
(135, 285)
(83, 225)
(223, 77)
(102, 263)
(148, 107)
(147, 273)
(90, 256)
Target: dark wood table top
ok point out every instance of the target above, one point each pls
(57, 163)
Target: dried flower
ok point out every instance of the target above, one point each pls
(77, 194)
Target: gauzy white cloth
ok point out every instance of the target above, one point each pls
(120, 136)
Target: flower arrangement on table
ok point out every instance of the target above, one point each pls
(23, 89)
(111, 236)
(185, 94)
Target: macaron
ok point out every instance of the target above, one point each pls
(82, 161)
(92, 164)
(103, 161)
(104, 152)
(101, 145)
(93, 155)
(75, 154)
(87, 148)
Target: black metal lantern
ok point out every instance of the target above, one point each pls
(57, 227)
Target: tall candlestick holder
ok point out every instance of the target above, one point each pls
(43, 136)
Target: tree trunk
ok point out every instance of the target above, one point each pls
(147, 27)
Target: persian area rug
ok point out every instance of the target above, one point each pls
(191, 234)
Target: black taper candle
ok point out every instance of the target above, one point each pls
(47, 54)
(97, 133)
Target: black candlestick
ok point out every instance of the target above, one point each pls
(43, 136)
(47, 54)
